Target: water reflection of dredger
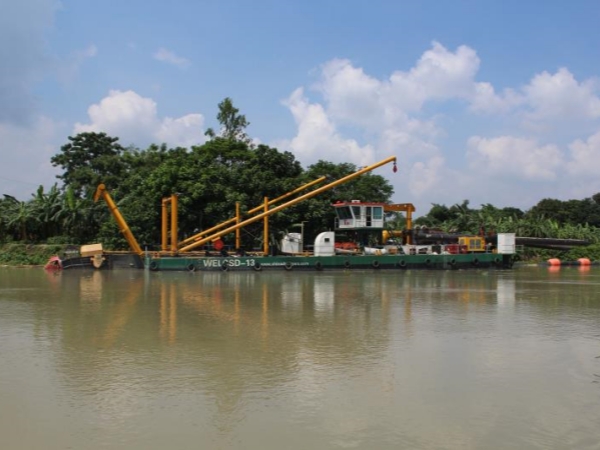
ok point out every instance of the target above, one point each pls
(233, 336)
(168, 313)
(323, 295)
(121, 315)
(506, 293)
(264, 322)
(90, 288)
(283, 306)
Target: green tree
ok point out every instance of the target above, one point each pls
(19, 216)
(88, 160)
(77, 217)
(233, 124)
(437, 215)
(46, 207)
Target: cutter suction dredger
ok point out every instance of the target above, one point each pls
(359, 240)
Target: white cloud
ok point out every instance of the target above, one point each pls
(561, 96)
(512, 157)
(546, 100)
(134, 119)
(352, 96)
(486, 100)
(361, 118)
(317, 137)
(164, 55)
(357, 98)
(439, 74)
(426, 175)
(585, 157)
(384, 112)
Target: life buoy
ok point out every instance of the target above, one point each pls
(191, 267)
(375, 264)
(401, 264)
(153, 265)
(288, 266)
(347, 264)
(318, 265)
(225, 266)
(257, 266)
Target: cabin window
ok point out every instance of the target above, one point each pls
(344, 213)
(377, 213)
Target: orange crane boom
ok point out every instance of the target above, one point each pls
(102, 192)
(197, 237)
(286, 205)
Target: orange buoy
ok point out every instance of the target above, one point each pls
(554, 262)
(584, 261)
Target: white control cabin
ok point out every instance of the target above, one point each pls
(357, 215)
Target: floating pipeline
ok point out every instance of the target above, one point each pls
(338, 262)
(581, 262)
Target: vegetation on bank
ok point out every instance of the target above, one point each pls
(28, 254)
(228, 169)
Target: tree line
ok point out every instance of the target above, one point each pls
(228, 168)
(209, 180)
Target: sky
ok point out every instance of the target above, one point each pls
(488, 101)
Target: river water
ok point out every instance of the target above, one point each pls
(128, 359)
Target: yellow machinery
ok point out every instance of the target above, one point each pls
(269, 212)
(133, 244)
(472, 243)
(408, 208)
(237, 218)
(165, 220)
(198, 239)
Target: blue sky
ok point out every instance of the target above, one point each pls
(491, 101)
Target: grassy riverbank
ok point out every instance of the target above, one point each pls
(29, 254)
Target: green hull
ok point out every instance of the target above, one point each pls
(316, 263)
